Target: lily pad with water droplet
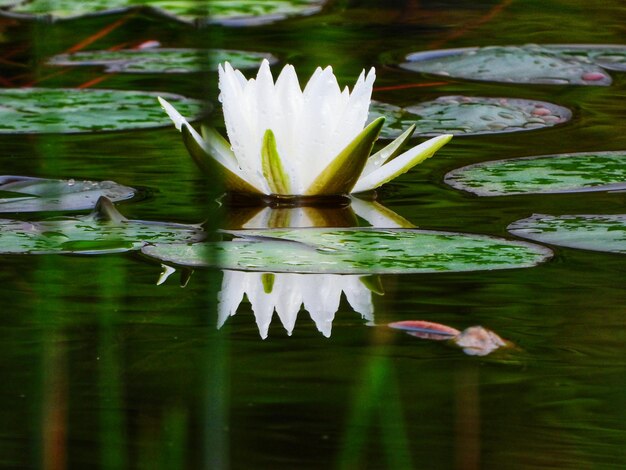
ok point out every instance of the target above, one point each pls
(586, 232)
(162, 60)
(464, 115)
(24, 194)
(353, 251)
(70, 110)
(508, 64)
(103, 231)
(235, 12)
(562, 173)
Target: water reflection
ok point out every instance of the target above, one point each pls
(288, 293)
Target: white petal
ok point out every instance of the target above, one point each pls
(289, 105)
(311, 126)
(321, 299)
(238, 105)
(230, 296)
(288, 299)
(317, 123)
(359, 297)
(262, 303)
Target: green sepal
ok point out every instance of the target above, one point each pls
(388, 152)
(211, 166)
(401, 164)
(273, 170)
(340, 176)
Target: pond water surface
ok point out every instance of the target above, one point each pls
(102, 368)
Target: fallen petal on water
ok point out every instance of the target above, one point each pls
(478, 341)
(474, 341)
(426, 329)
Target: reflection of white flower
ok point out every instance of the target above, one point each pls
(289, 141)
(286, 293)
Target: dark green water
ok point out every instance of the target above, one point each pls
(104, 369)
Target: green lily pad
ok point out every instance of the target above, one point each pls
(586, 232)
(24, 194)
(353, 251)
(157, 60)
(563, 173)
(235, 12)
(607, 56)
(103, 231)
(509, 64)
(70, 110)
(464, 115)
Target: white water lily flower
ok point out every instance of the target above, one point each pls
(286, 293)
(289, 141)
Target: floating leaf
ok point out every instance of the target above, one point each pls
(464, 115)
(24, 194)
(563, 173)
(235, 12)
(70, 110)
(509, 64)
(103, 231)
(586, 232)
(608, 56)
(157, 60)
(354, 251)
